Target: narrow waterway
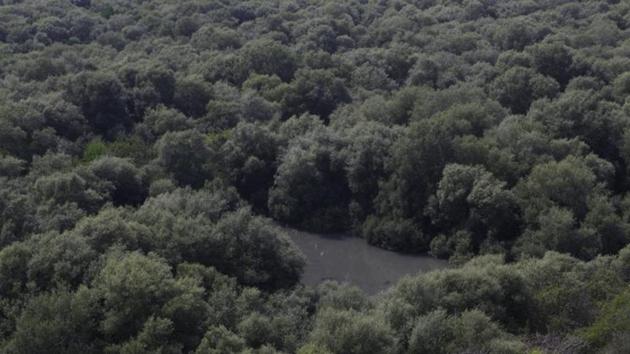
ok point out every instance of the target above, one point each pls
(352, 260)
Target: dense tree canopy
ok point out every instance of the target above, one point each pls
(151, 153)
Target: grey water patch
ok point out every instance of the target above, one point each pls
(350, 259)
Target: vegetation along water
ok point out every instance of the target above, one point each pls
(478, 152)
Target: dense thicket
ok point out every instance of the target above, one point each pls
(146, 148)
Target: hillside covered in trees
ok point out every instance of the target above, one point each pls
(150, 149)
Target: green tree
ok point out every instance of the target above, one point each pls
(250, 156)
(59, 260)
(310, 189)
(220, 340)
(350, 332)
(259, 253)
(366, 155)
(268, 57)
(518, 87)
(566, 183)
(185, 156)
(102, 100)
(470, 198)
(191, 96)
(316, 91)
(57, 322)
(127, 186)
(554, 60)
(137, 290)
(417, 160)
(112, 227)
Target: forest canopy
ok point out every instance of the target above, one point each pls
(150, 152)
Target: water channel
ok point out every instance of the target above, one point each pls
(352, 260)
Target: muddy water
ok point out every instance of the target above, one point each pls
(350, 259)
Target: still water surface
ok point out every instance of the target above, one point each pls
(352, 260)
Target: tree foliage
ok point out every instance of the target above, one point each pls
(149, 150)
